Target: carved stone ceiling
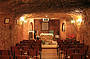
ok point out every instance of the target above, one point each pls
(29, 6)
(46, 15)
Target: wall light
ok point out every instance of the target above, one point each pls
(22, 19)
(72, 21)
(78, 20)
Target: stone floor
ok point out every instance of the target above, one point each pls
(49, 54)
(49, 51)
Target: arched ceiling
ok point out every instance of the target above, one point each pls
(46, 15)
(29, 6)
(53, 16)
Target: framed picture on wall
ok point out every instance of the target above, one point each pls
(6, 21)
(44, 25)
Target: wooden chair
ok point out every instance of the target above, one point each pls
(60, 41)
(31, 52)
(16, 51)
(4, 52)
(4, 57)
(20, 57)
(10, 57)
(76, 56)
(70, 51)
(88, 56)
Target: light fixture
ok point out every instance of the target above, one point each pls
(45, 19)
(78, 20)
(22, 19)
(72, 21)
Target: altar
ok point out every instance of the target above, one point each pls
(52, 44)
(47, 39)
(46, 36)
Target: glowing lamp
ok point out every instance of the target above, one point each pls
(79, 20)
(72, 21)
(22, 19)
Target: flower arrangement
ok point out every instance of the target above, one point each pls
(71, 36)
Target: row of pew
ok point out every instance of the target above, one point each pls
(26, 49)
(72, 49)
